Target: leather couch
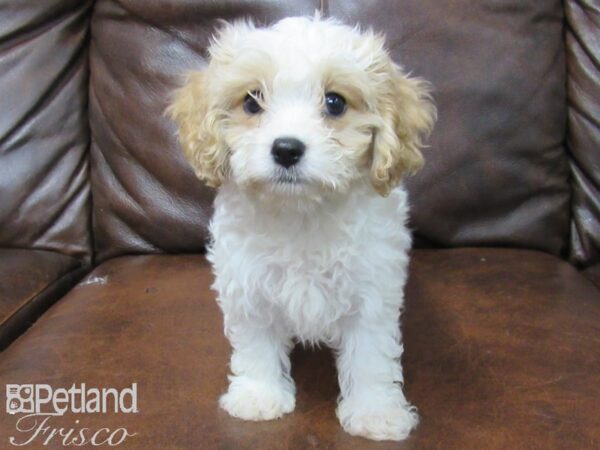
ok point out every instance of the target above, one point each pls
(103, 224)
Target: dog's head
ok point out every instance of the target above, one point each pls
(302, 107)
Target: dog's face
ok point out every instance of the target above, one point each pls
(304, 107)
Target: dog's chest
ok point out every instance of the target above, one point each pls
(310, 288)
(306, 278)
(320, 262)
(308, 272)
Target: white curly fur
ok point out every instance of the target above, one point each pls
(317, 254)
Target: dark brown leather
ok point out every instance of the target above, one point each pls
(44, 187)
(30, 281)
(499, 346)
(583, 52)
(497, 171)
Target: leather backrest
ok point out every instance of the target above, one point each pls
(44, 185)
(583, 57)
(496, 173)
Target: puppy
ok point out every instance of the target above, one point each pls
(307, 128)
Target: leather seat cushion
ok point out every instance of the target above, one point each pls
(501, 352)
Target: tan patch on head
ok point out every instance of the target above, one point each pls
(212, 99)
(389, 112)
(408, 116)
(198, 132)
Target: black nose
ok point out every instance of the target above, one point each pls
(287, 151)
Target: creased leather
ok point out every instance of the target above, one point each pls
(44, 183)
(583, 57)
(30, 281)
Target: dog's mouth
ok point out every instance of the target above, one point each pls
(288, 177)
(289, 180)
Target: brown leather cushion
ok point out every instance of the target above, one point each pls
(501, 352)
(30, 281)
(44, 185)
(497, 171)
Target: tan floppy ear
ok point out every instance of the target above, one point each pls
(198, 130)
(408, 115)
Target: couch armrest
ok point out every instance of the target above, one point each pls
(31, 281)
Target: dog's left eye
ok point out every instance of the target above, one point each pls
(335, 104)
(251, 105)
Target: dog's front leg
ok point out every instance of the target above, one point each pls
(260, 386)
(372, 403)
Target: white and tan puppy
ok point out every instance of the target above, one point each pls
(307, 128)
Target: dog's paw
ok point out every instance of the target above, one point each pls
(387, 422)
(258, 400)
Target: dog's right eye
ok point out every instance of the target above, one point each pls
(251, 105)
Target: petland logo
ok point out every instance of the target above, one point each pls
(39, 403)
